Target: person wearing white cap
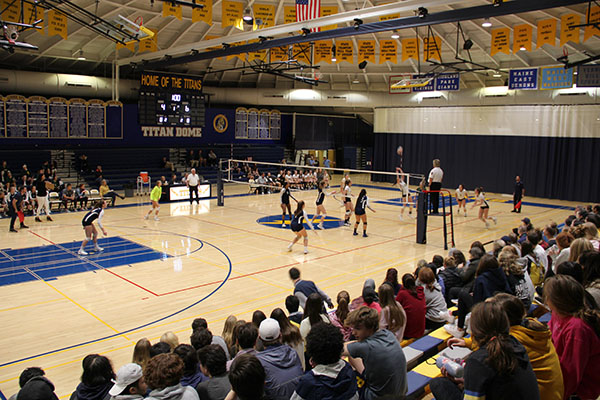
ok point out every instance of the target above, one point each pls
(129, 383)
(281, 363)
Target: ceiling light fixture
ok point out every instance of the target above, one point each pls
(357, 22)
(422, 12)
(80, 55)
(333, 58)
(362, 64)
(486, 23)
(497, 75)
(247, 17)
(305, 31)
(395, 35)
(522, 48)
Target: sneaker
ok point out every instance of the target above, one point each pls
(320, 226)
(24, 226)
(82, 252)
(283, 225)
(48, 218)
(289, 248)
(465, 214)
(495, 220)
(365, 235)
(13, 230)
(98, 248)
(156, 219)
(514, 211)
(346, 223)
(355, 233)
(487, 224)
(37, 219)
(401, 217)
(454, 331)
(146, 216)
(305, 251)
(447, 316)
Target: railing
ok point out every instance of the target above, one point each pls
(444, 194)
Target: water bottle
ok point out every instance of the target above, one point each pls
(453, 368)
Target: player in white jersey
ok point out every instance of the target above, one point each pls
(461, 198)
(484, 207)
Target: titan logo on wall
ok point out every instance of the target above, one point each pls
(170, 131)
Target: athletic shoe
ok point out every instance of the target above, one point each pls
(146, 216)
(355, 233)
(346, 223)
(305, 251)
(401, 218)
(320, 226)
(487, 224)
(447, 316)
(98, 248)
(156, 219)
(48, 218)
(82, 252)
(495, 220)
(24, 226)
(465, 214)
(283, 225)
(514, 211)
(365, 235)
(37, 219)
(13, 230)
(454, 331)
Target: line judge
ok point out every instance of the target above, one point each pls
(435, 184)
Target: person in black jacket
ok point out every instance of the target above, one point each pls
(96, 380)
(451, 277)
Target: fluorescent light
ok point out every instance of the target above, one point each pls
(523, 48)
(395, 35)
(356, 81)
(333, 59)
(497, 76)
(486, 23)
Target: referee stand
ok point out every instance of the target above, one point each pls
(424, 210)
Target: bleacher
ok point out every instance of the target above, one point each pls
(16, 158)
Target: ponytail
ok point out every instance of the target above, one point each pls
(500, 355)
(342, 309)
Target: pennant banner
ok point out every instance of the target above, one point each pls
(302, 52)
(203, 14)
(588, 76)
(430, 87)
(241, 56)
(169, 9)
(410, 49)
(11, 10)
(322, 51)
(266, 14)
(325, 11)
(450, 82)
(31, 14)
(366, 50)
(149, 44)
(432, 48)
(57, 24)
(231, 14)
(344, 51)
(556, 78)
(523, 79)
(566, 33)
(592, 30)
(546, 32)
(129, 46)
(388, 51)
(278, 54)
(389, 17)
(522, 37)
(500, 41)
(289, 14)
(260, 55)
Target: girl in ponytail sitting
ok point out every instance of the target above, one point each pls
(499, 369)
(575, 328)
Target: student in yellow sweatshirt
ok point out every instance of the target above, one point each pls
(154, 198)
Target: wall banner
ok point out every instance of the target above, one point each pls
(588, 76)
(556, 78)
(430, 87)
(523, 79)
(450, 82)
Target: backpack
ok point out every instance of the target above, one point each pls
(535, 270)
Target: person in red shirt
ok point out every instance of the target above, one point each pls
(412, 299)
(575, 328)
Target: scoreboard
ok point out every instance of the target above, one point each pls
(171, 100)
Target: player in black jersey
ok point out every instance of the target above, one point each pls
(90, 230)
(285, 202)
(362, 203)
(320, 207)
(298, 226)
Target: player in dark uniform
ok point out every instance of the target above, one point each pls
(319, 203)
(90, 230)
(362, 203)
(518, 194)
(15, 207)
(297, 226)
(285, 202)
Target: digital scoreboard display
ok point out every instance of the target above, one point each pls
(171, 100)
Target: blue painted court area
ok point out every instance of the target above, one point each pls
(274, 221)
(56, 260)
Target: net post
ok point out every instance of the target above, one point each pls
(422, 217)
(220, 194)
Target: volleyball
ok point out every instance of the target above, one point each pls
(399, 150)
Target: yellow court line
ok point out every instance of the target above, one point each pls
(31, 305)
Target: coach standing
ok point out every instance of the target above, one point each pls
(518, 194)
(192, 182)
(435, 184)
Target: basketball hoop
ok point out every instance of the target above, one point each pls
(411, 82)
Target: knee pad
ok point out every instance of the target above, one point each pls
(88, 238)
(158, 208)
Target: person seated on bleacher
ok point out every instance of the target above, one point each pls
(9, 179)
(412, 299)
(98, 174)
(212, 159)
(81, 196)
(67, 196)
(163, 374)
(96, 379)
(436, 311)
(213, 364)
(190, 159)
(166, 164)
(26, 375)
(247, 377)
(3, 204)
(107, 193)
(201, 159)
(393, 316)
(451, 277)
(518, 277)
(499, 369)
(383, 365)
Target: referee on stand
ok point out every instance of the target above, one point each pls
(435, 184)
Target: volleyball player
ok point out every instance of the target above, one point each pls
(320, 207)
(90, 230)
(285, 202)
(461, 198)
(297, 225)
(406, 198)
(484, 207)
(154, 198)
(362, 203)
(347, 192)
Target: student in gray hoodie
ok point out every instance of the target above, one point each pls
(163, 374)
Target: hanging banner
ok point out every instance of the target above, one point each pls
(149, 44)
(566, 33)
(203, 14)
(325, 11)
(395, 79)
(522, 37)
(344, 51)
(322, 51)
(289, 14)
(231, 14)
(523, 79)
(57, 24)
(266, 14)
(592, 30)
(556, 78)
(410, 49)
(366, 50)
(388, 51)
(588, 75)
(260, 55)
(169, 9)
(241, 56)
(32, 13)
(302, 52)
(211, 37)
(500, 41)
(278, 54)
(546, 32)
(432, 48)
(11, 11)
(430, 87)
(389, 17)
(449, 82)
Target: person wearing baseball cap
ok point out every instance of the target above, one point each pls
(129, 383)
(281, 363)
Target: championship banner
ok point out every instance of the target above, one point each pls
(449, 82)
(266, 13)
(523, 79)
(588, 76)
(325, 11)
(366, 50)
(556, 78)
(522, 37)
(169, 9)
(231, 14)
(500, 41)
(57, 24)
(592, 30)
(388, 51)
(289, 14)
(322, 51)
(149, 44)
(302, 52)
(546, 32)
(211, 37)
(430, 87)
(567, 34)
(257, 55)
(32, 13)
(432, 48)
(344, 51)
(278, 54)
(410, 49)
(389, 17)
(203, 14)
(395, 79)
(11, 10)
(241, 56)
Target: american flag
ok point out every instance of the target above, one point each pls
(307, 10)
